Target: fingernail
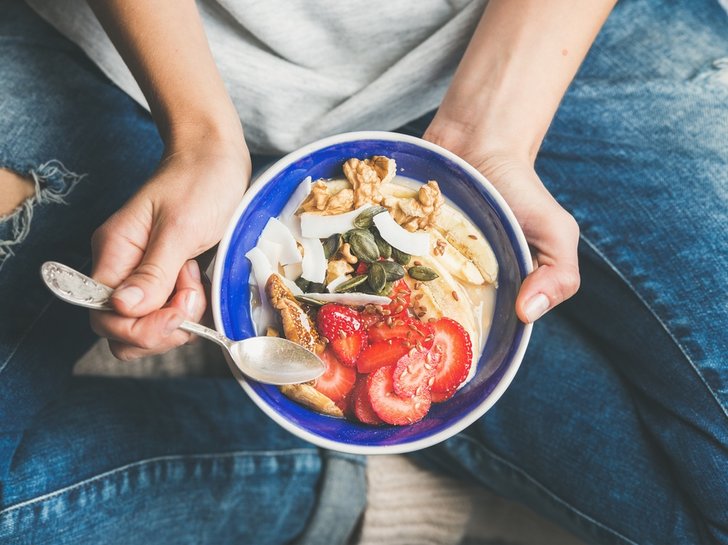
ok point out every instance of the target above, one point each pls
(172, 324)
(194, 269)
(536, 307)
(131, 296)
(191, 302)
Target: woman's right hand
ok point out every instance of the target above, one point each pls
(146, 249)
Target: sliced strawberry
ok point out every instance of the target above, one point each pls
(346, 404)
(368, 319)
(332, 319)
(362, 406)
(381, 353)
(343, 328)
(453, 345)
(410, 329)
(392, 408)
(337, 380)
(414, 371)
(347, 349)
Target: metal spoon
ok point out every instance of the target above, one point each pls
(272, 360)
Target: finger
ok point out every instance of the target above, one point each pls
(118, 245)
(149, 286)
(154, 333)
(556, 277)
(157, 332)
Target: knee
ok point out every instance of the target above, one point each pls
(15, 190)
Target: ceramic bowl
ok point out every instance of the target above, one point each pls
(461, 184)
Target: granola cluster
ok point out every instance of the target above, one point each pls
(417, 212)
(366, 178)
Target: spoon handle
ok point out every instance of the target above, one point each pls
(206, 332)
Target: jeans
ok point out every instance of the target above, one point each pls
(616, 426)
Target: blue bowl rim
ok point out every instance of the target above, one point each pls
(522, 254)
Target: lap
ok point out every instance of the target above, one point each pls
(617, 424)
(168, 461)
(87, 147)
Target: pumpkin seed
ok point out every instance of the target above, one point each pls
(331, 245)
(351, 283)
(316, 287)
(400, 257)
(377, 276)
(363, 245)
(309, 301)
(366, 218)
(394, 270)
(387, 289)
(302, 283)
(422, 273)
(385, 250)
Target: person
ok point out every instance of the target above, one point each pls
(615, 426)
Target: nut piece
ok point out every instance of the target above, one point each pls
(337, 268)
(417, 212)
(345, 252)
(366, 176)
(341, 202)
(320, 200)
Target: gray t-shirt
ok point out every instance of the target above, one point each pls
(298, 70)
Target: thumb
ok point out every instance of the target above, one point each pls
(150, 285)
(556, 277)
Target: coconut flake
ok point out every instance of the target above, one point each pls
(297, 198)
(336, 281)
(278, 233)
(271, 250)
(262, 268)
(314, 262)
(353, 299)
(291, 285)
(292, 271)
(416, 244)
(319, 226)
(288, 215)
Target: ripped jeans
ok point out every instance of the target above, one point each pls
(615, 427)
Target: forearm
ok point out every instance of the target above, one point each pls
(516, 69)
(164, 45)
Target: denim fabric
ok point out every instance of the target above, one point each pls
(615, 426)
(617, 423)
(120, 461)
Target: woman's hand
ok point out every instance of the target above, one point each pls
(505, 92)
(551, 232)
(146, 249)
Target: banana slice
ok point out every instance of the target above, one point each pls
(459, 232)
(453, 260)
(307, 395)
(445, 296)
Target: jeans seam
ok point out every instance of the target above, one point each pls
(139, 463)
(647, 305)
(543, 488)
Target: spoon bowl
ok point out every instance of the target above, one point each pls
(271, 360)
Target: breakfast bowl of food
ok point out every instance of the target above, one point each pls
(398, 264)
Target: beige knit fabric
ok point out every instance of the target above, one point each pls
(407, 505)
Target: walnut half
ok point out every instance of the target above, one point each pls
(417, 212)
(367, 176)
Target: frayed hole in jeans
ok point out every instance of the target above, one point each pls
(716, 72)
(48, 183)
